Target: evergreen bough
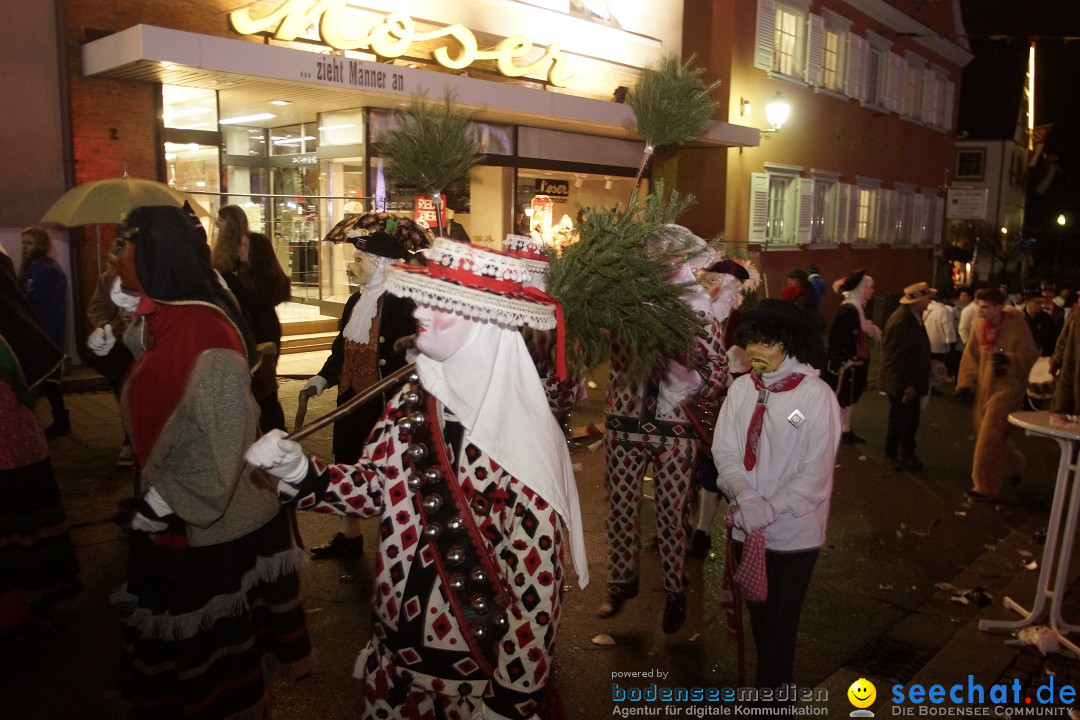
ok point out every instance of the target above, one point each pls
(671, 105)
(615, 292)
(431, 146)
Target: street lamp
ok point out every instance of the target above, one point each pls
(1057, 251)
(776, 112)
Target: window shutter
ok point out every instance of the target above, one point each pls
(759, 206)
(935, 221)
(847, 210)
(765, 37)
(894, 83)
(926, 112)
(915, 232)
(947, 106)
(815, 49)
(855, 83)
(886, 219)
(804, 220)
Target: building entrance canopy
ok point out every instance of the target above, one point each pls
(317, 82)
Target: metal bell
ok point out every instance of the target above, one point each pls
(500, 622)
(457, 582)
(433, 531)
(432, 504)
(479, 575)
(406, 425)
(415, 482)
(480, 604)
(455, 524)
(412, 398)
(417, 418)
(433, 475)
(417, 452)
(413, 378)
(480, 631)
(455, 556)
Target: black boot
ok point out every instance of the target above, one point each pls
(339, 547)
(61, 425)
(674, 612)
(700, 544)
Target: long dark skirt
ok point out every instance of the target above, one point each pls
(37, 557)
(199, 623)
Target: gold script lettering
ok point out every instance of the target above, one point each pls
(393, 37)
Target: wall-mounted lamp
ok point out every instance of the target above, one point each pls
(776, 112)
(744, 107)
(578, 182)
(607, 183)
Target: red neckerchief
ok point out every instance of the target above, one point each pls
(180, 333)
(990, 332)
(753, 433)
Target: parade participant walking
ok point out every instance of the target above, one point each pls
(995, 368)
(849, 347)
(212, 587)
(366, 349)
(647, 424)
(471, 477)
(905, 375)
(775, 448)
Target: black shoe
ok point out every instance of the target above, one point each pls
(61, 425)
(339, 547)
(913, 464)
(850, 438)
(977, 496)
(617, 594)
(700, 544)
(674, 612)
(894, 464)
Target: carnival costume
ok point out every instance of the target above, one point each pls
(999, 390)
(646, 423)
(212, 588)
(471, 479)
(37, 557)
(848, 362)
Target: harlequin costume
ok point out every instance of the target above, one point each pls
(212, 589)
(37, 557)
(645, 423)
(471, 479)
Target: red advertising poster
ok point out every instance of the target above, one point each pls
(424, 210)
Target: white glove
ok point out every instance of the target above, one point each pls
(150, 518)
(101, 341)
(318, 383)
(754, 512)
(280, 457)
(122, 298)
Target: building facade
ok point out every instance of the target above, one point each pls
(856, 177)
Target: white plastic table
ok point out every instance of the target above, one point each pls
(1055, 563)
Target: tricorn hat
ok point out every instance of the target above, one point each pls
(852, 281)
(729, 267)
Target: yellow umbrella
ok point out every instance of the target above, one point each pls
(105, 202)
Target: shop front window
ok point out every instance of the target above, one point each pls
(549, 203)
(187, 108)
(193, 168)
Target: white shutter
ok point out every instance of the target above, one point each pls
(759, 206)
(847, 213)
(886, 217)
(935, 221)
(815, 49)
(894, 82)
(927, 109)
(765, 36)
(855, 83)
(946, 106)
(915, 233)
(805, 210)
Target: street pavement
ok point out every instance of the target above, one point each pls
(874, 608)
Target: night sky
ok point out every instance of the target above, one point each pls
(999, 32)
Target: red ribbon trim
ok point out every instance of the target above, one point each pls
(472, 279)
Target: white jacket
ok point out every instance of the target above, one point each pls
(940, 322)
(795, 461)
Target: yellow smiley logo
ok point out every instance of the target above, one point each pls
(862, 693)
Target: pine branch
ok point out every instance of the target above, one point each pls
(671, 103)
(432, 146)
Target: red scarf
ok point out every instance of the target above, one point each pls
(753, 433)
(180, 334)
(990, 332)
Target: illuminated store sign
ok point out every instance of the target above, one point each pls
(393, 37)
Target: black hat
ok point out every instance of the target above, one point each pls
(383, 244)
(813, 270)
(798, 273)
(852, 281)
(729, 267)
(772, 310)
